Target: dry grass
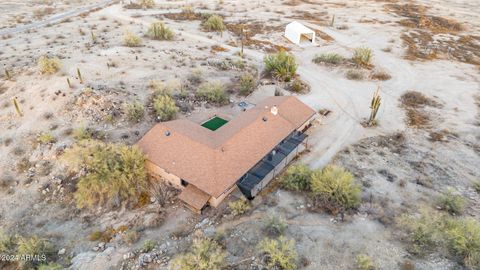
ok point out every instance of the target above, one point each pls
(380, 76)
(414, 99)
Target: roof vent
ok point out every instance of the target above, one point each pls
(264, 119)
(167, 133)
(274, 110)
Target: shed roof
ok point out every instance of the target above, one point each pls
(214, 160)
(298, 27)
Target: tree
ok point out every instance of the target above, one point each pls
(112, 173)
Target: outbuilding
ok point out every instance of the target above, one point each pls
(299, 33)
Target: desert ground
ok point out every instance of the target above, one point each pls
(415, 153)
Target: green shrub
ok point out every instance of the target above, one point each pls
(297, 178)
(148, 245)
(431, 231)
(82, 133)
(239, 207)
(165, 107)
(159, 31)
(135, 112)
(205, 254)
(46, 138)
(476, 186)
(452, 203)
(115, 173)
(48, 65)
(51, 266)
(214, 23)
(334, 189)
(247, 84)
(213, 92)
(131, 40)
(34, 246)
(280, 253)
(364, 262)
(281, 65)
(7, 243)
(296, 86)
(328, 58)
(275, 226)
(362, 56)
(463, 240)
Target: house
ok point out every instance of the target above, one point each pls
(207, 162)
(299, 33)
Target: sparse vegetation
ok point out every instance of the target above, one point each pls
(362, 56)
(214, 23)
(239, 207)
(46, 138)
(431, 231)
(82, 133)
(131, 40)
(334, 189)
(297, 178)
(34, 246)
(148, 245)
(364, 262)
(380, 76)
(159, 31)
(247, 84)
(51, 266)
(135, 112)
(213, 92)
(355, 75)
(49, 65)
(279, 253)
(205, 254)
(451, 202)
(374, 106)
(165, 107)
(328, 58)
(146, 3)
(275, 226)
(115, 173)
(281, 65)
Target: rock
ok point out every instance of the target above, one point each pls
(101, 245)
(109, 251)
(95, 248)
(62, 251)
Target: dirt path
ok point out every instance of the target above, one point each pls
(56, 18)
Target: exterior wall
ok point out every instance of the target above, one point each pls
(263, 183)
(216, 201)
(308, 122)
(156, 171)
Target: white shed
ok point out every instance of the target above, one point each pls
(299, 33)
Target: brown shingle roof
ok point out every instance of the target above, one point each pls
(214, 160)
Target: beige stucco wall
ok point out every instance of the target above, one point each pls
(216, 201)
(156, 171)
(309, 121)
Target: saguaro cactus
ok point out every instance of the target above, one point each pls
(17, 107)
(374, 106)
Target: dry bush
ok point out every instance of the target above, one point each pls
(278, 253)
(275, 226)
(239, 207)
(165, 107)
(414, 99)
(159, 31)
(113, 173)
(380, 76)
(213, 92)
(46, 138)
(417, 118)
(297, 178)
(131, 40)
(451, 202)
(135, 112)
(247, 84)
(204, 254)
(214, 24)
(362, 56)
(364, 262)
(329, 58)
(49, 65)
(355, 75)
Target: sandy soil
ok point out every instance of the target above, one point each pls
(34, 189)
